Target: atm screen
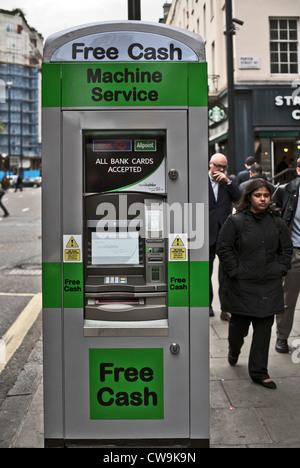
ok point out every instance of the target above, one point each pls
(121, 248)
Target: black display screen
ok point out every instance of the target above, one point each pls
(125, 160)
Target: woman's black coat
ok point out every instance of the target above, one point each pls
(255, 252)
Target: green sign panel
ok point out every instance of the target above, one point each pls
(124, 84)
(126, 383)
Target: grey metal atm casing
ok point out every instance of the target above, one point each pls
(169, 352)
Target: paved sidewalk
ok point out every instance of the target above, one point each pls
(243, 414)
(21, 414)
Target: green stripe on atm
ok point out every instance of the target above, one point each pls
(197, 86)
(188, 284)
(72, 285)
(51, 280)
(51, 85)
(73, 290)
(199, 284)
(178, 284)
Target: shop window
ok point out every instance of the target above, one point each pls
(284, 46)
(278, 155)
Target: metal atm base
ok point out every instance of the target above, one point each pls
(127, 443)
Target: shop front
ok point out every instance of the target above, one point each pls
(267, 127)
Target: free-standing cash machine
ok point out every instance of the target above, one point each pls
(125, 237)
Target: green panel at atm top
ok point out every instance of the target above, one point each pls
(124, 84)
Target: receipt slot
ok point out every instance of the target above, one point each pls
(125, 237)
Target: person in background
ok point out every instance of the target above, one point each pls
(5, 183)
(282, 166)
(286, 198)
(245, 175)
(223, 192)
(255, 249)
(6, 213)
(255, 172)
(19, 183)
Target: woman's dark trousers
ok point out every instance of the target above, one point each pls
(259, 352)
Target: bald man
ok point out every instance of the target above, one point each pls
(223, 192)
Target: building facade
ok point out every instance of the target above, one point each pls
(21, 49)
(266, 77)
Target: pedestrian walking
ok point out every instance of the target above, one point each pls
(5, 183)
(255, 250)
(287, 198)
(223, 192)
(19, 183)
(256, 172)
(244, 175)
(6, 213)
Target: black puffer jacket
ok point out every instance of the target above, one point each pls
(255, 254)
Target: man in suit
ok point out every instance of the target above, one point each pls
(223, 192)
(287, 198)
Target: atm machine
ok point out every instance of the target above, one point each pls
(125, 237)
(125, 243)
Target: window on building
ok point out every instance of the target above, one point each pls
(13, 43)
(284, 45)
(8, 27)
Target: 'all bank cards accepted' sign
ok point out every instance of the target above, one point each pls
(126, 383)
(119, 160)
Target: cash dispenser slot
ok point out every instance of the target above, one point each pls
(126, 308)
(114, 300)
(132, 315)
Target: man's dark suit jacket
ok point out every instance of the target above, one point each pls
(220, 210)
(287, 198)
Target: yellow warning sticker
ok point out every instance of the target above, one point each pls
(72, 243)
(72, 255)
(178, 247)
(178, 253)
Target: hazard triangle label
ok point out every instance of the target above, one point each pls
(178, 242)
(72, 243)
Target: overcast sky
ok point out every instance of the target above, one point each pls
(50, 16)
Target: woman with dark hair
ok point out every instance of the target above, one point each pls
(255, 250)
